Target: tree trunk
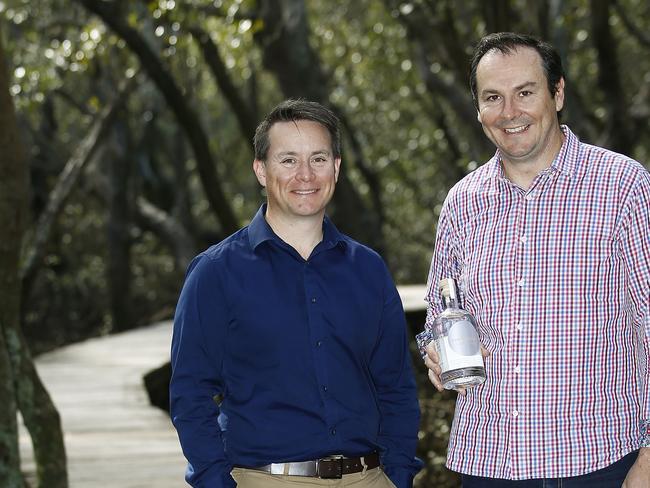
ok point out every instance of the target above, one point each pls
(287, 54)
(39, 415)
(240, 107)
(186, 117)
(498, 15)
(66, 182)
(9, 458)
(27, 392)
(434, 38)
(12, 208)
(618, 129)
(118, 168)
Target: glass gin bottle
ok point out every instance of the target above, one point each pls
(456, 341)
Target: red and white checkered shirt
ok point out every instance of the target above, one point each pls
(558, 278)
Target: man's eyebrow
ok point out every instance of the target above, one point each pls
(293, 153)
(527, 84)
(490, 91)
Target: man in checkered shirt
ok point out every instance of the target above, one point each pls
(550, 244)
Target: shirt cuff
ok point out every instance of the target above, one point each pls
(400, 477)
(214, 477)
(645, 433)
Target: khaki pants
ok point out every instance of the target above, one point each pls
(249, 478)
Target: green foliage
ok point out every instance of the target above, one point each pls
(396, 69)
(374, 79)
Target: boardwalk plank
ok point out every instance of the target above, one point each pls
(113, 437)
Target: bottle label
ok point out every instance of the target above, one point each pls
(460, 349)
(463, 339)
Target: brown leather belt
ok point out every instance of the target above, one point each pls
(333, 467)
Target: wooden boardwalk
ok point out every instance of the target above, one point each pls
(113, 437)
(413, 297)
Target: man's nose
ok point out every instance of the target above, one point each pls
(510, 108)
(304, 171)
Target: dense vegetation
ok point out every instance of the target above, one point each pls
(138, 117)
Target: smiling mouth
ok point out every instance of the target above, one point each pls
(305, 192)
(516, 130)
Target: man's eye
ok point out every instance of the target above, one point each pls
(288, 161)
(492, 98)
(525, 93)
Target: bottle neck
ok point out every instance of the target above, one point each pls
(451, 302)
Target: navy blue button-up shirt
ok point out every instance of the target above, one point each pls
(310, 357)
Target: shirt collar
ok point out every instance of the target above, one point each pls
(565, 162)
(260, 231)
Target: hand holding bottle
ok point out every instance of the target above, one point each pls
(451, 344)
(432, 362)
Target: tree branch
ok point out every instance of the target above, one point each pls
(13, 210)
(186, 117)
(239, 106)
(634, 31)
(66, 182)
(458, 101)
(369, 175)
(170, 231)
(421, 25)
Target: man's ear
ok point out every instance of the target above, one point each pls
(559, 95)
(337, 166)
(260, 171)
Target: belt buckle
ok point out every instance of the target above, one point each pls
(337, 462)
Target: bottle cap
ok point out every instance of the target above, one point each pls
(447, 287)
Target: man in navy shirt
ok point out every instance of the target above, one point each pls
(299, 331)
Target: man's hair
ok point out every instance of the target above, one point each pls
(291, 111)
(507, 43)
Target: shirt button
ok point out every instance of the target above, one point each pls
(319, 343)
(523, 239)
(515, 413)
(313, 300)
(520, 325)
(521, 282)
(333, 431)
(517, 369)
(530, 196)
(324, 388)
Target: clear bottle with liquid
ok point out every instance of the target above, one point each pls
(456, 341)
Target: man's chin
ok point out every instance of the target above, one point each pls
(308, 211)
(516, 154)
